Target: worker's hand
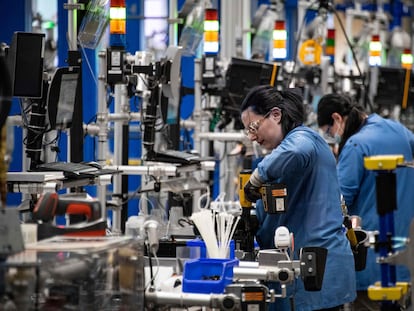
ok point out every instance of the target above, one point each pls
(252, 187)
(252, 193)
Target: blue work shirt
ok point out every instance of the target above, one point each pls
(306, 165)
(378, 136)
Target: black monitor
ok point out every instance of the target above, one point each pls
(5, 90)
(25, 58)
(243, 74)
(61, 97)
(390, 87)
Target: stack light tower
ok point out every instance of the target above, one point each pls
(375, 51)
(211, 44)
(407, 59)
(116, 51)
(211, 32)
(330, 45)
(279, 41)
(117, 22)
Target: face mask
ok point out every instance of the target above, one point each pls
(337, 137)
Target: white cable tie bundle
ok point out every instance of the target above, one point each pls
(207, 222)
(204, 221)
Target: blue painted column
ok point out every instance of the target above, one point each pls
(291, 11)
(89, 77)
(16, 16)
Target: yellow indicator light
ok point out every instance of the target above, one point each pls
(330, 50)
(279, 44)
(117, 26)
(211, 36)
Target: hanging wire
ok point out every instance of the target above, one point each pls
(88, 64)
(152, 274)
(298, 37)
(366, 98)
(331, 9)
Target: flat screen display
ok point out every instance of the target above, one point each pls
(25, 57)
(244, 74)
(390, 87)
(67, 97)
(62, 97)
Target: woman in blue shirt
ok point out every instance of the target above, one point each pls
(303, 161)
(363, 135)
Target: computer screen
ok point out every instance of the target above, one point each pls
(25, 58)
(390, 87)
(243, 74)
(171, 88)
(62, 96)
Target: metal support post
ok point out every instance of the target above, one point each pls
(120, 91)
(102, 121)
(229, 9)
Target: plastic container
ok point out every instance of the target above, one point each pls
(198, 249)
(208, 275)
(94, 23)
(134, 226)
(192, 33)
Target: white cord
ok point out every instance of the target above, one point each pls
(140, 210)
(88, 63)
(200, 200)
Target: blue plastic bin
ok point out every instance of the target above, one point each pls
(208, 275)
(198, 249)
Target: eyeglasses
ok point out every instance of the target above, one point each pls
(254, 126)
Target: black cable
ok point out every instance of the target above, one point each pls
(150, 120)
(363, 78)
(92, 119)
(109, 98)
(348, 42)
(150, 264)
(292, 304)
(24, 112)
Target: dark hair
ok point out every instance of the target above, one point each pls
(261, 99)
(345, 106)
